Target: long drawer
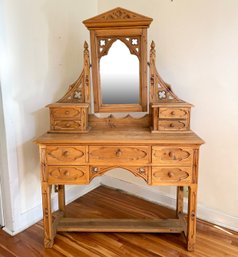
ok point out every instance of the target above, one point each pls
(117, 154)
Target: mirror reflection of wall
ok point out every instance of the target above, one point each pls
(119, 72)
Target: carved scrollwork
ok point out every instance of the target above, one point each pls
(137, 171)
(133, 44)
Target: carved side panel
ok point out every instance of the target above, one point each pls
(79, 91)
(159, 90)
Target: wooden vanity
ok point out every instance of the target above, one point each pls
(158, 147)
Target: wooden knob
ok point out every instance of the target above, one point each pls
(170, 174)
(67, 125)
(65, 153)
(171, 125)
(118, 153)
(173, 113)
(66, 112)
(66, 173)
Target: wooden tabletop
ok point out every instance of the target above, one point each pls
(117, 136)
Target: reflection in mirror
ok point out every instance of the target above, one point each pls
(119, 72)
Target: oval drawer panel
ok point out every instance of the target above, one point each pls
(65, 155)
(170, 175)
(66, 112)
(101, 154)
(179, 113)
(173, 125)
(68, 175)
(67, 125)
(172, 156)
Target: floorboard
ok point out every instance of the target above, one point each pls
(103, 202)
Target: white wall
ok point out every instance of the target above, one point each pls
(197, 53)
(41, 54)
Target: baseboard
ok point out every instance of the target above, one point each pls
(34, 215)
(149, 193)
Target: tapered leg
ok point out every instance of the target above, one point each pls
(47, 215)
(179, 208)
(192, 203)
(61, 198)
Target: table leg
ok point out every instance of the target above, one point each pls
(179, 207)
(61, 198)
(47, 215)
(192, 203)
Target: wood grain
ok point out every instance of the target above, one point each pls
(212, 241)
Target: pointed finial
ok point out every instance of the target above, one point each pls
(85, 45)
(152, 46)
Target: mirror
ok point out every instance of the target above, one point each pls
(120, 75)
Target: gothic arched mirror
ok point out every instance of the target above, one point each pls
(119, 61)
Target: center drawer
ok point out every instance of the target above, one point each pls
(117, 154)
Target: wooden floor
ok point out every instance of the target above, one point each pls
(104, 202)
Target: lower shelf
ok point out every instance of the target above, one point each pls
(122, 225)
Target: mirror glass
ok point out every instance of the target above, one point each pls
(119, 73)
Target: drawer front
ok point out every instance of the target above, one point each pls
(115, 154)
(172, 155)
(171, 175)
(67, 125)
(177, 113)
(173, 125)
(65, 155)
(68, 175)
(66, 112)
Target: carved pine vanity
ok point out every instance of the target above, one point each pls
(82, 144)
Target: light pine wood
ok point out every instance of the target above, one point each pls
(102, 203)
(159, 147)
(122, 225)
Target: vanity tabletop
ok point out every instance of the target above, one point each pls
(121, 136)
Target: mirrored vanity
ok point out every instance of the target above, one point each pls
(159, 147)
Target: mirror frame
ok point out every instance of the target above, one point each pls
(117, 23)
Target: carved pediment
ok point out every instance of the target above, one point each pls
(116, 18)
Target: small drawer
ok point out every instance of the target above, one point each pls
(172, 155)
(68, 175)
(171, 175)
(176, 113)
(66, 112)
(65, 155)
(67, 125)
(173, 125)
(115, 154)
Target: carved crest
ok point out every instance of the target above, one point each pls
(117, 17)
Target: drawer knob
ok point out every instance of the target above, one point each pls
(66, 173)
(171, 125)
(66, 112)
(141, 170)
(170, 174)
(65, 153)
(67, 125)
(94, 169)
(173, 113)
(118, 153)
